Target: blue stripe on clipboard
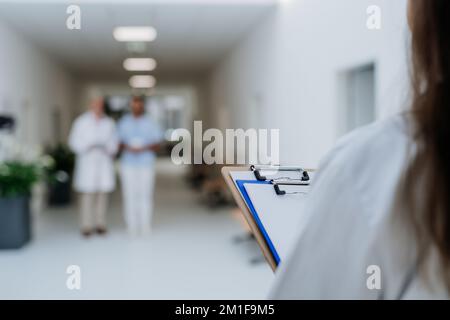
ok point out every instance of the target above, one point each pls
(240, 184)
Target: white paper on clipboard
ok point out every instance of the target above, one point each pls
(283, 217)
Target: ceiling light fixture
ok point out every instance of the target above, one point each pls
(139, 64)
(142, 82)
(135, 34)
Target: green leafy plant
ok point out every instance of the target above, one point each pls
(17, 178)
(62, 164)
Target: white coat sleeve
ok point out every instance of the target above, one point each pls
(359, 229)
(330, 258)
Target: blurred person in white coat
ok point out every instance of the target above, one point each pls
(93, 138)
(140, 139)
(379, 208)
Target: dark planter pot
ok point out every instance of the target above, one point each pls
(15, 222)
(60, 193)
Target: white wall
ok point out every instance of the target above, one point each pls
(32, 86)
(285, 73)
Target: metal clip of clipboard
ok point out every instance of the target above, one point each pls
(257, 171)
(276, 185)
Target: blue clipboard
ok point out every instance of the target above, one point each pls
(241, 186)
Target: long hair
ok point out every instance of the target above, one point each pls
(427, 187)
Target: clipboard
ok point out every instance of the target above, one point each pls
(246, 188)
(237, 196)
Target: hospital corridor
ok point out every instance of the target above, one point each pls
(177, 261)
(138, 139)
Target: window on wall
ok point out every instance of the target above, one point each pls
(358, 97)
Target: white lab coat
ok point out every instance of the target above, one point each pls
(355, 222)
(94, 170)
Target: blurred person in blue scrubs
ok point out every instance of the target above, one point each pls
(140, 139)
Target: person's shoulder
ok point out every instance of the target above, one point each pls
(366, 165)
(124, 119)
(83, 115)
(153, 123)
(127, 117)
(149, 118)
(81, 118)
(383, 138)
(108, 120)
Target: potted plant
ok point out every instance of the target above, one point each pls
(59, 175)
(16, 181)
(21, 166)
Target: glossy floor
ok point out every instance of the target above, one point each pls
(191, 254)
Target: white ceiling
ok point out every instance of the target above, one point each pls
(192, 35)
